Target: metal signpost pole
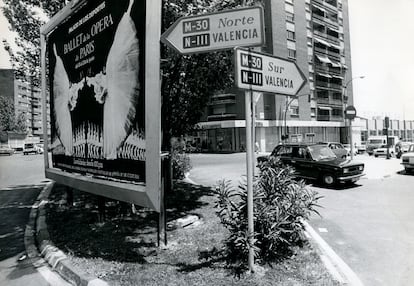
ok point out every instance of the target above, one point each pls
(387, 125)
(249, 169)
(350, 139)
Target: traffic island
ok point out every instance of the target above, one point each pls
(122, 250)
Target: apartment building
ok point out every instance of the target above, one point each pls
(26, 101)
(314, 34)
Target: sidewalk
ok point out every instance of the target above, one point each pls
(379, 168)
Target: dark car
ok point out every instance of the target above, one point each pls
(318, 162)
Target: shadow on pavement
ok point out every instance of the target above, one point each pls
(15, 206)
(124, 236)
(337, 187)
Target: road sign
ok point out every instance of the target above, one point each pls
(216, 31)
(267, 73)
(350, 112)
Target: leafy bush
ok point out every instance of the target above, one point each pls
(180, 160)
(280, 204)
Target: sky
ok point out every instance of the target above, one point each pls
(382, 45)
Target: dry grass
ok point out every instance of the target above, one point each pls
(123, 251)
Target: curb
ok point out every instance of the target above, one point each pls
(339, 270)
(37, 234)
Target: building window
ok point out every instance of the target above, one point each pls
(291, 35)
(294, 111)
(291, 54)
(313, 111)
(290, 17)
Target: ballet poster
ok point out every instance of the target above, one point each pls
(96, 78)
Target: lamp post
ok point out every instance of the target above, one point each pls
(285, 135)
(350, 120)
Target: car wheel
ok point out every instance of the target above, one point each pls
(376, 156)
(328, 179)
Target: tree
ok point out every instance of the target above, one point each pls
(21, 125)
(7, 118)
(26, 18)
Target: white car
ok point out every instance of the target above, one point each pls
(383, 152)
(408, 160)
(348, 149)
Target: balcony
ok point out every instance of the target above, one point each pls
(218, 99)
(329, 118)
(328, 85)
(324, 21)
(323, 117)
(328, 70)
(329, 100)
(223, 116)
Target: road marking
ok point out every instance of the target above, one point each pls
(322, 229)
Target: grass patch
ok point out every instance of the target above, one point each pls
(123, 250)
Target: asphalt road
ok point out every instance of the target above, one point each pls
(19, 187)
(370, 225)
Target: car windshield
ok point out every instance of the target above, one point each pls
(375, 141)
(321, 152)
(28, 145)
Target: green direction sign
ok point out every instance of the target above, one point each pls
(267, 73)
(216, 31)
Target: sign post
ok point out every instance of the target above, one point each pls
(216, 31)
(387, 125)
(262, 73)
(249, 169)
(350, 114)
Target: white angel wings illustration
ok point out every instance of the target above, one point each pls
(61, 96)
(122, 68)
(117, 90)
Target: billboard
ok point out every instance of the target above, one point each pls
(96, 72)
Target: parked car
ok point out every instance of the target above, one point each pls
(408, 159)
(348, 149)
(39, 147)
(337, 148)
(317, 162)
(382, 151)
(6, 150)
(402, 147)
(362, 148)
(380, 141)
(30, 148)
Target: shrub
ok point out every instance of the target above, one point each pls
(180, 160)
(280, 205)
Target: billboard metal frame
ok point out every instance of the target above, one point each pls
(150, 193)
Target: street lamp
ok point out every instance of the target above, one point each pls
(350, 120)
(286, 136)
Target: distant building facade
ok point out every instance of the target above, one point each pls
(314, 34)
(26, 101)
(364, 128)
